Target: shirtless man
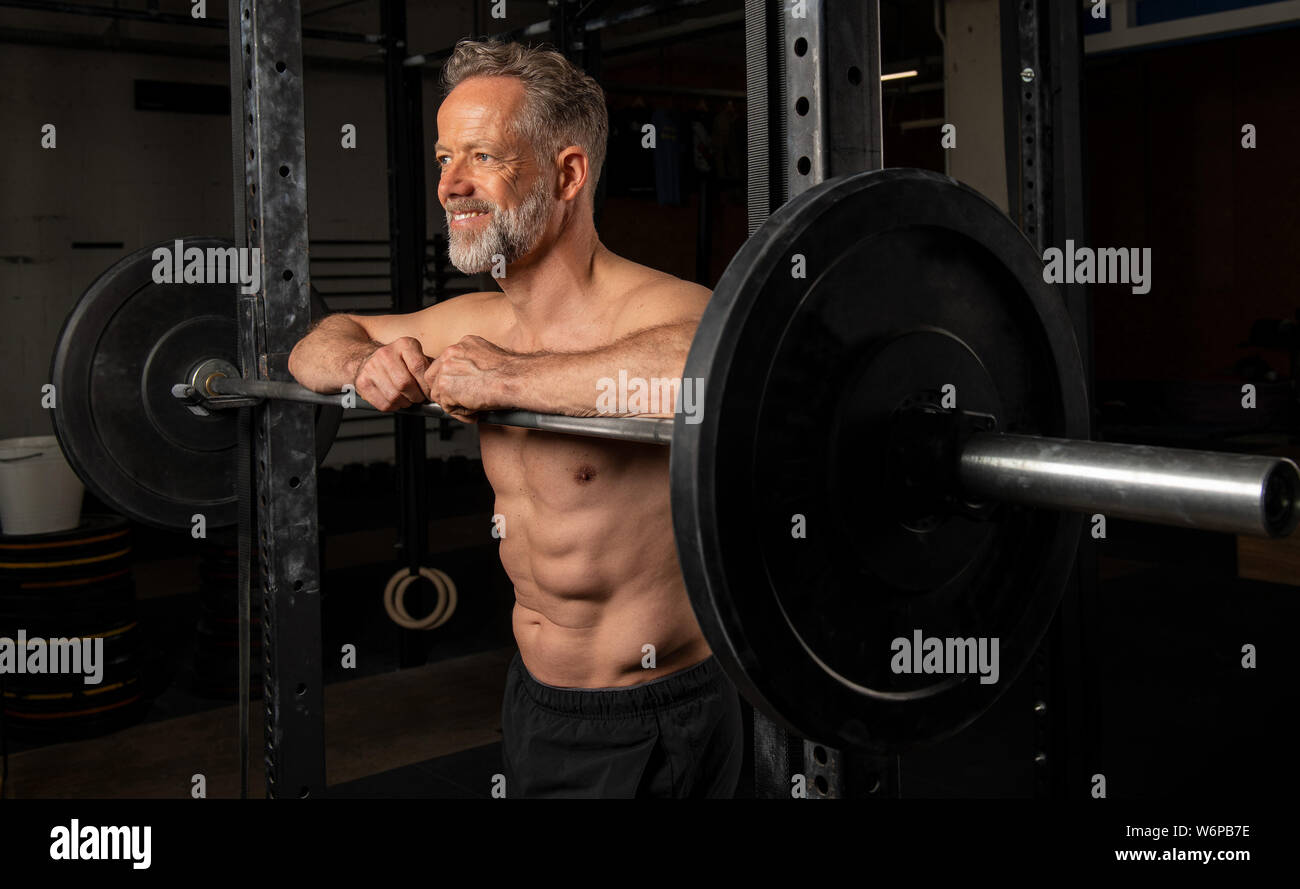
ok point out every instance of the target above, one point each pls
(588, 540)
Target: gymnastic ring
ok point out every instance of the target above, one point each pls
(395, 591)
(435, 577)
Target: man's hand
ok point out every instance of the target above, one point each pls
(392, 377)
(471, 375)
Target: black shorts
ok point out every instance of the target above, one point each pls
(676, 736)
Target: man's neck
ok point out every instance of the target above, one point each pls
(557, 284)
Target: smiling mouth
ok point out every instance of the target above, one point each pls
(461, 217)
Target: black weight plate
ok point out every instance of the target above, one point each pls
(136, 447)
(913, 282)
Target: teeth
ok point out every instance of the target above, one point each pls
(468, 215)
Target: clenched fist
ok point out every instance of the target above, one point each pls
(471, 376)
(392, 376)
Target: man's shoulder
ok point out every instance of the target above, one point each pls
(654, 297)
(478, 307)
(482, 313)
(477, 300)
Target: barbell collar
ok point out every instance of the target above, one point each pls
(1235, 493)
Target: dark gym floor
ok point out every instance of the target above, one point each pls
(1177, 714)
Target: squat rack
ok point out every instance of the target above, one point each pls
(831, 57)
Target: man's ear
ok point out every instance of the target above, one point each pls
(574, 167)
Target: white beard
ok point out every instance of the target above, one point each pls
(510, 233)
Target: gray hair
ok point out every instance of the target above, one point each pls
(562, 104)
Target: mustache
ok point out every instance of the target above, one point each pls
(465, 208)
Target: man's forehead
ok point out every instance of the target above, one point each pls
(483, 96)
(469, 142)
(474, 118)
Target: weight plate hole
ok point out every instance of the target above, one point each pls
(801, 106)
(804, 166)
(800, 47)
(855, 76)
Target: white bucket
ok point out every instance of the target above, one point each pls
(39, 492)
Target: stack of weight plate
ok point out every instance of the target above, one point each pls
(71, 584)
(216, 655)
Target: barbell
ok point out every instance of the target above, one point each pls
(892, 441)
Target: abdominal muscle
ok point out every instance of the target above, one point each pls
(588, 544)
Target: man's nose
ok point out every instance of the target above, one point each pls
(455, 180)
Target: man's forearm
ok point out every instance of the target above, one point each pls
(573, 383)
(329, 356)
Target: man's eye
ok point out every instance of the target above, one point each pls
(481, 154)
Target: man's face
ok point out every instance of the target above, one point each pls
(496, 199)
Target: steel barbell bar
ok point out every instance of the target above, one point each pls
(1233, 493)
